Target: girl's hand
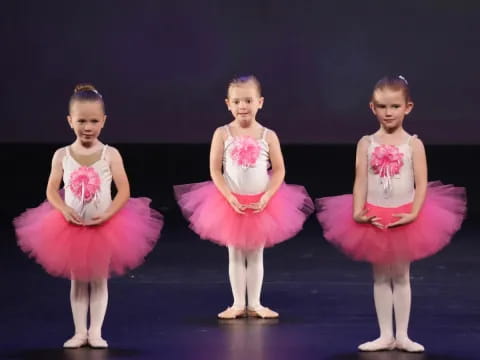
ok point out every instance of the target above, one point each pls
(404, 218)
(261, 204)
(99, 219)
(235, 204)
(72, 216)
(363, 218)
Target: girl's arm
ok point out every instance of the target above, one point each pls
(216, 162)
(421, 175)
(278, 170)
(54, 181)
(360, 185)
(120, 179)
(421, 179)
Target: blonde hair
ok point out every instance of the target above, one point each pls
(85, 92)
(240, 80)
(394, 83)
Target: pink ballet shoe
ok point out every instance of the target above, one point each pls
(408, 345)
(232, 313)
(377, 345)
(263, 312)
(97, 342)
(77, 341)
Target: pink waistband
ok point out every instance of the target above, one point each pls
(248, 199)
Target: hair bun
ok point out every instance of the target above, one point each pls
(84, 87)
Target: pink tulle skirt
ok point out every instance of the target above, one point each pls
(441, 216)
(89, 252)
(212, 217)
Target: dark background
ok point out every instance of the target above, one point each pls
(163, 66)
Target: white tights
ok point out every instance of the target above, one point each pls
(245, 270)
(392, 295)
(81, 300)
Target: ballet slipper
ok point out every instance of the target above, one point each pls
(78, 340)
(232, 313)
(409, 345)
(97, 342)
(263, 312)
(378, 345)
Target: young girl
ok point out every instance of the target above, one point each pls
(245, 208)
(81, 233)
(396, 217)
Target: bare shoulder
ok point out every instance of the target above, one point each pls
(59, 154)
(272, 136)
(220, 133)
(112, 154)
(363, 143)
(417, 144)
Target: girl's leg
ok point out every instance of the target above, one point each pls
(254, 285)
(98, 308)
(254, 277)
(402, 298)
(79, 304)
(383, 296)
(237, 272)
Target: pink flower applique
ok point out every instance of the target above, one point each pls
(84, 183)
(386, 160)
(245, 151)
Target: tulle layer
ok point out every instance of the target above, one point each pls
(441, 216)
(212, 218)
(89, 252)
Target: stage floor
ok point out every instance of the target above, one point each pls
(166, 309)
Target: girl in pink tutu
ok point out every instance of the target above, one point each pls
(81, 233)
(245, 208)
(397, 216)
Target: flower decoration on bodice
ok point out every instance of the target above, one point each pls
(386, 160)
(245, 151)
(85, 183)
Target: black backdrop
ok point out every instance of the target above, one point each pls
(162, 66)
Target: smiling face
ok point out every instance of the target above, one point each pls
(390, 107)
(244, 101)
(87, 119)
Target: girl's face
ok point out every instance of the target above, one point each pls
(390, 107)
(243, 102)
(87, 119)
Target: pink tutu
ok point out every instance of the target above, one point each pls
(441, 216)
(212, 217)
(89, 252)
